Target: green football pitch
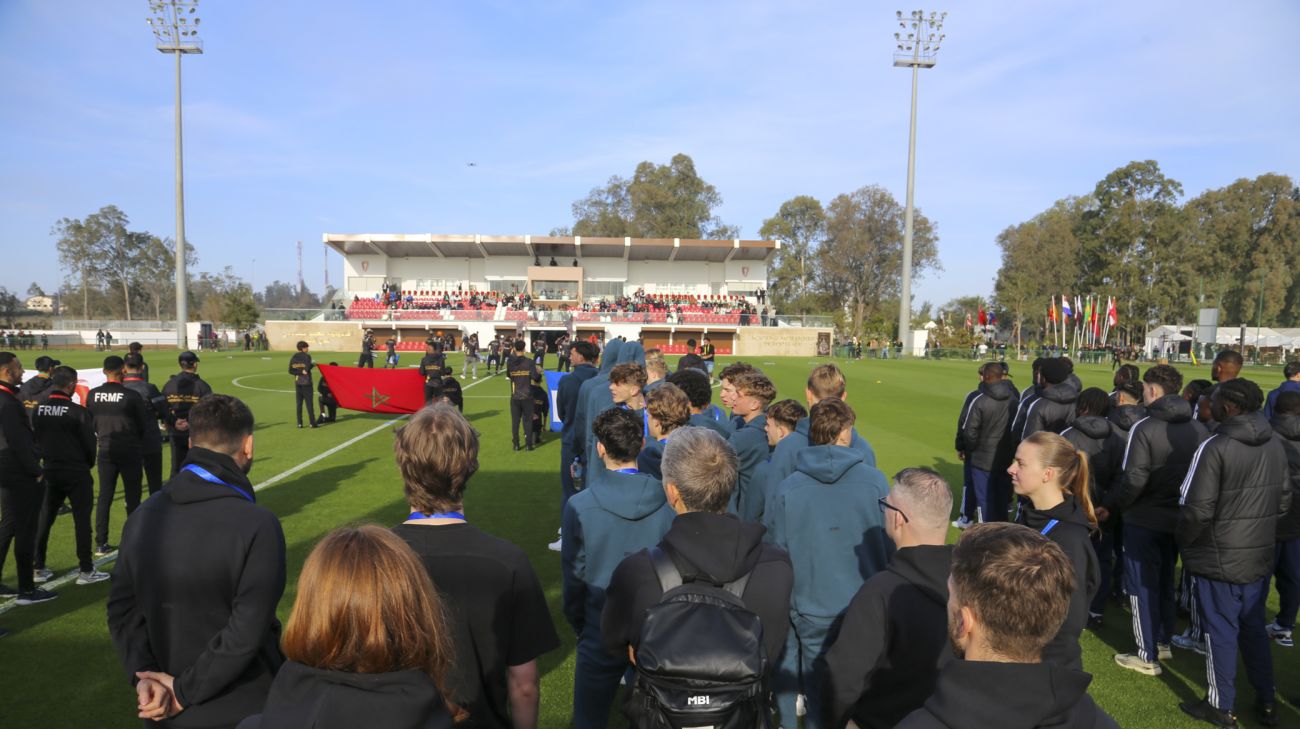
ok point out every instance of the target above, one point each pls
(58, 667)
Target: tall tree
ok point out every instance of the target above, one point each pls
(76, 247)
(35, 290)
(800, 225)
(1039, 261)
(860, 262)
(9, 306)
(1129, 235)
(658, 201)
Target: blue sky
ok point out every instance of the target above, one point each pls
(304, 118)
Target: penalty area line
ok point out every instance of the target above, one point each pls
(112, 557)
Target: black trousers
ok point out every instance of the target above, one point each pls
(20, 510)
(329, 409)
(521, 410)
(153, 471)
(180, 442)
(367, 359)
(77, 487)
(110, 467)
(563, 366)
(303, 394)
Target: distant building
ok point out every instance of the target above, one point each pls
(43, 304)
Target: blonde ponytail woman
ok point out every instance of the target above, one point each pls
(1050, 472)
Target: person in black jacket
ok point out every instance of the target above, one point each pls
(1237, 487)
(1008, 594)
(137, 349)
(519, 370)
(1053, 410)
(431, 367)
(20, 487)
(329, 405)
(705, 543)
(1286, 423)
(121, 417)
(182, 391)
(152, 446)
(1095, 435)
(300, 367)
(883, 660)
(1053, 475)
(1027, 398)
(65, 432)
(452, 390)
(1156, 458)
(367, 358)
(195, 628)
(968, 514)
(541, 420)
(364, 578)
(33, 391)
(986, 442)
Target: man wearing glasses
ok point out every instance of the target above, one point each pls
(893, 640)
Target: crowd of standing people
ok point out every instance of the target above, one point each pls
(750, 550)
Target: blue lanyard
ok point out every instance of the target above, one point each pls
(626, 470)
(206, 475)
(417, 515)
(1050, 526)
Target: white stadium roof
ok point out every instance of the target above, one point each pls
(428, 245)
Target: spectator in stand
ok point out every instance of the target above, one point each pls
(367, 642)
(497, 612)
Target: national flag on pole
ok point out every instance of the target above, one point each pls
(1065, 307)
(968, 322)
(1078, 307)
(1087, 316)
(984, 317)
(993, 319)
(1111, 315)
(375, 390)
(1051, 310)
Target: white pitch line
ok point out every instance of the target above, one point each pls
(236, 382)
(111, 557)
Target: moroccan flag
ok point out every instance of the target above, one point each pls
(372, 390)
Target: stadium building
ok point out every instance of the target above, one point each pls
(664, 291)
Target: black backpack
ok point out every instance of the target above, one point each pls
(700, 661)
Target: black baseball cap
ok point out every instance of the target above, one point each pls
(187, 357)
(45, 364)
(113, 363)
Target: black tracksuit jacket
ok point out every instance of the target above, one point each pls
(19, 459)
(1287, 428)
(1234, 493)
(987, 695)
(121, 417)
(716, 548)
(1073, 534)
(157, 407)
(198, 577)
(1096, 436)
(985, 433)
(1159, 450)
(892, 641)
(182, 391)
(300, 366)
(65, 432)
(303, 697)
(34, 391)
(1053, 410)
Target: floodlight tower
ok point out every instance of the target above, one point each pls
(176, 29)
(917, 44)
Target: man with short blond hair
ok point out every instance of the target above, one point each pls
(825, 381)
(667, 410)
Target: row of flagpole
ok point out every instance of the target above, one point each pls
(1092, 322)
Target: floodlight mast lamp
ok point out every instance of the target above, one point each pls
(917, 44)
(176, 29)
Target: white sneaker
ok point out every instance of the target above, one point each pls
(800, 706)
(1280, 635)
(91, 577)
(962, 523)
(556, 545)
(1164, 652)
(42, 575)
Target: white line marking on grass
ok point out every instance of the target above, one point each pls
(268, 483)
(236, 382)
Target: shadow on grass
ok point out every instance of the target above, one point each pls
(296, 494)
(482, 414)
